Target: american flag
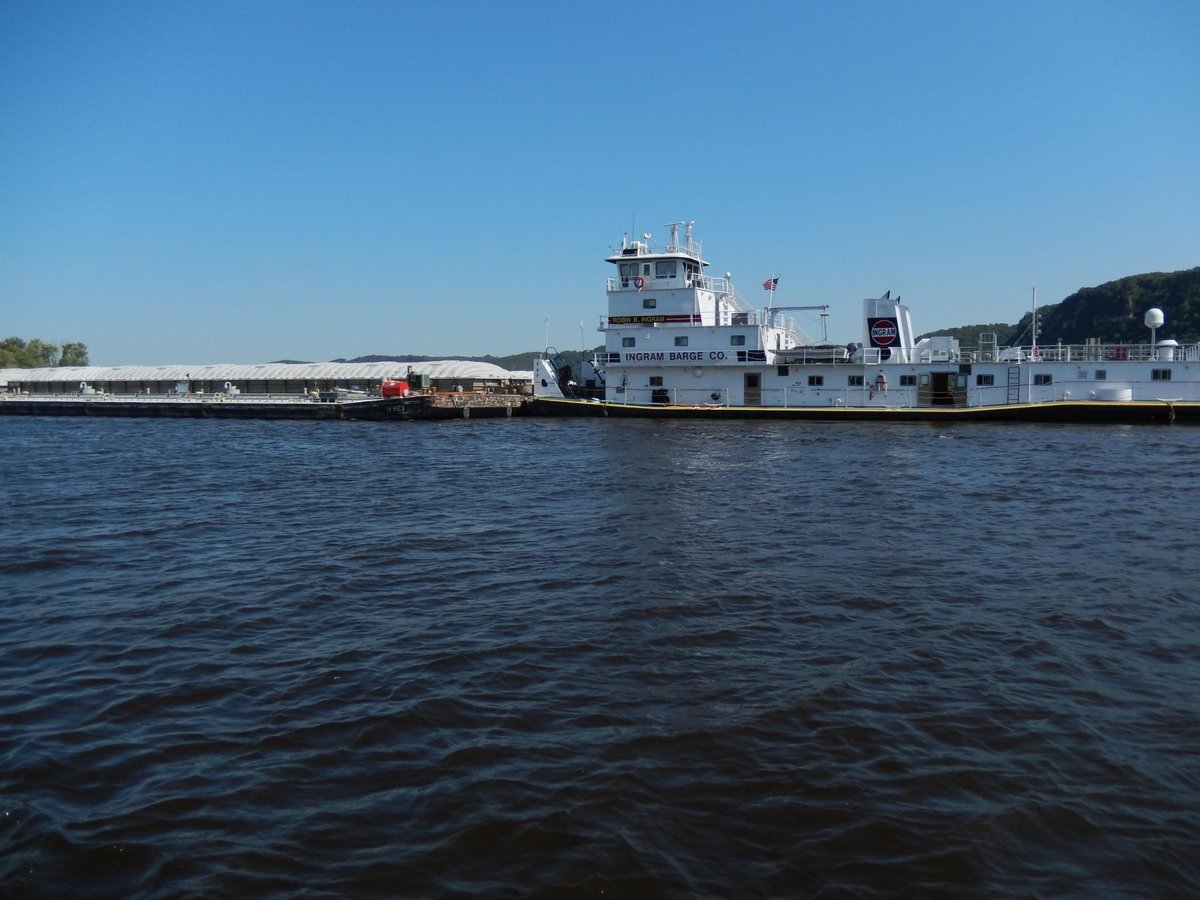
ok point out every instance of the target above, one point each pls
(770, 283)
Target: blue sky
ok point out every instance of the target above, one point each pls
(248, 181)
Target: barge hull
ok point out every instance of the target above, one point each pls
(379, 409)
(1064, 412)
(414, 407)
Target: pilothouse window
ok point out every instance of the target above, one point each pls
(666, 268)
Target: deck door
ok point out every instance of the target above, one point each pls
(752, 389)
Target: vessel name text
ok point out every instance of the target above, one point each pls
(676, 356)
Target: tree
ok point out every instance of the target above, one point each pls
(12, 351)
(39, 354)
(16, 353)
(74, 354)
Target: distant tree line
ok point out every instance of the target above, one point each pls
(16, 353)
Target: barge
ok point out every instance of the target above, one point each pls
(128, 392)
(413, 407)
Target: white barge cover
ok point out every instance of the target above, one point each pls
(366, 372)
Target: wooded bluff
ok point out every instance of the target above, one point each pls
(1112, 313)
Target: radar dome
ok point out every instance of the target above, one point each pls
(1154, 318)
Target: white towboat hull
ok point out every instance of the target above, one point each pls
(680, 343)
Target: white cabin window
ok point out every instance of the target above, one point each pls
(656, 381)
(816, 380)
(1044, 378)
(1101, 374)
(1160, 374)
(737, 340)
(985, 380)
(681, 341)
(649, 302)
(666, 268)
(628, 342)
(783, 371)
(854, 380)
(908, 381)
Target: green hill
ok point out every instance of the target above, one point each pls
(1112, 313)
(968, 335)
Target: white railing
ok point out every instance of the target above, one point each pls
(1084, 353)
(652, 282)
(787, 323)
(751, 318)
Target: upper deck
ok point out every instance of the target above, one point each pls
(635, 249)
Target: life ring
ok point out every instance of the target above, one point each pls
(638, 282)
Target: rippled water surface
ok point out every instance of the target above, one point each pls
(590, 658)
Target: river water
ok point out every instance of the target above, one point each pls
(598, 658)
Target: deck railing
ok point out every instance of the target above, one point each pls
(651, 283)
(1083, 353)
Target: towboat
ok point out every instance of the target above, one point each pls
(680, 342)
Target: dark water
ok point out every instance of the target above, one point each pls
(585, 658)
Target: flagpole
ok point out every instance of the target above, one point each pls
(771, 302)
(772, 281)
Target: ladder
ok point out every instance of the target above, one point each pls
(988, 347)
(1014, 384)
